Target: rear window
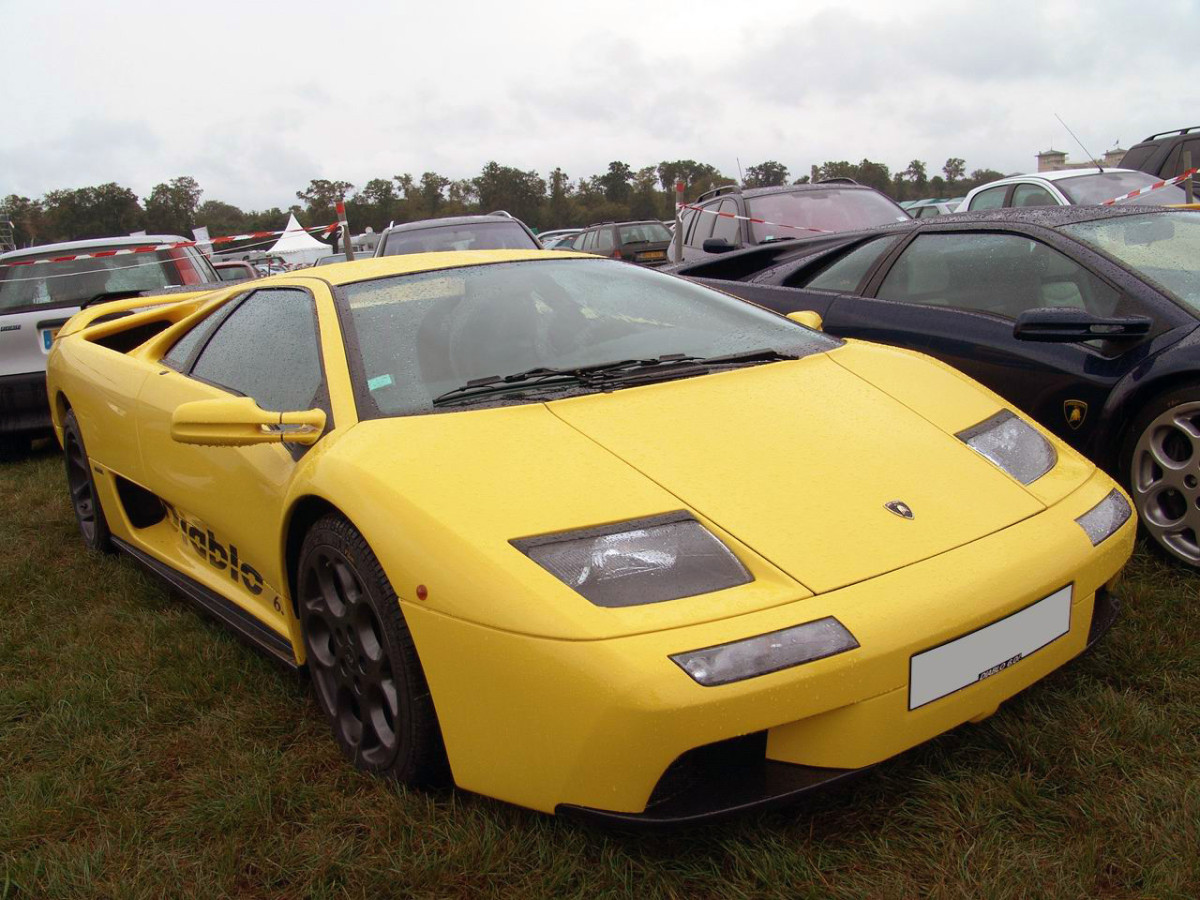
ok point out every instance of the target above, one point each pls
(643, 233)
(477, 236)
(1102, 186)
(77, 281)
(809, 212)
(1137, 157)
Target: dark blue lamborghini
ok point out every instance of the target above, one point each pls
(1085, 317)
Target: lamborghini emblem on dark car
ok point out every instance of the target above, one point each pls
(1075, 411)
(900, 508)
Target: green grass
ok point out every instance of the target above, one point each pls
(146, 753)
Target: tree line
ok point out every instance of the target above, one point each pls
(556, 201)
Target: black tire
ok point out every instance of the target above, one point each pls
(89, 514)
(1160, 465)
(364, 667)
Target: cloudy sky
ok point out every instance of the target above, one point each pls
(254, 99)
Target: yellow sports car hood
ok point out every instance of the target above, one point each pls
(798, 461)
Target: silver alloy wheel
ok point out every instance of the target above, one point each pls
(1164, 479)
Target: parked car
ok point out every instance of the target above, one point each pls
(924, 209)
(1161, 155)
(785, 213)
(35, 301)
(1070, 186)
(235, 271)
(1085, 317)
(555, 234)
(496, 231)
(558, 241)
(581, 536)
(341, 257)
(637, 242)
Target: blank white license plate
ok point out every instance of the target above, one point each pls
(993, 648)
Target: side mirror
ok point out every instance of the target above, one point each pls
(1063, 325)
(240, 422)
(808, 318)
(717, 245)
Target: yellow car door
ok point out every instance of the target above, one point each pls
(225, 503)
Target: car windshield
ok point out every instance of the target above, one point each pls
(829, 209)
(642, 232)
(470, 236)
(1163, 248)
(1103, 186)
(72, 282)
(415, 337)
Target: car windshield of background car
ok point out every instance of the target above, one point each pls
(73, 282)
(480, 236)
(1162, 248)
(642, 233)
(824, 210)
(418, 336)
(1088, 189)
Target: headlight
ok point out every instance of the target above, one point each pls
(1014, 446)
(1105, 517)
(641, 561)
(766, 653)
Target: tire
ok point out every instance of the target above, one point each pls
(362, 661)
(89, 514)
(1161, 464)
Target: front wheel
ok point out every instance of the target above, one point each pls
(1162, 460)
(362, 660)
(89, 514)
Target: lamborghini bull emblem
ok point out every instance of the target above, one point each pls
(1075, 411)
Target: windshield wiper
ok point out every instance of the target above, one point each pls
(599, 375)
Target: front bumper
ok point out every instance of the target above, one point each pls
(601, 728)
(24, 408)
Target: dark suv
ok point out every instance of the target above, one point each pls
(637, 242)
(797, 211)
(498, 231)
(1162, 154)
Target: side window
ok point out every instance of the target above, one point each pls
(267, 349)
(604, 240)
(1001, 274)
(589, 240)
(576, 243)
(685, 221)
(181, 351)
(846, 273)
(704, 226)
(992, 198)
(725, 227)
(1032, 195)
(1178, 168)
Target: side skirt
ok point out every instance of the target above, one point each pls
(244, 625)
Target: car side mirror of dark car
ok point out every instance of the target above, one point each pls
(717, 245)
(1062, 325)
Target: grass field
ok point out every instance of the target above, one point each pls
(146, 753)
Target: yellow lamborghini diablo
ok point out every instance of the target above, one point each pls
(580, 535)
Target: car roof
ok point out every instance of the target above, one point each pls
(1059, 175)
(138, 240)
(412, 263)
(803, 188)
(448, 221)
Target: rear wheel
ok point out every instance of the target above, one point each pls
(364, 666)
(1162, 460)
(89, 515)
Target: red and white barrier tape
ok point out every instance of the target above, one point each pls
(726, 215)
(154, 248)
(1152, 187)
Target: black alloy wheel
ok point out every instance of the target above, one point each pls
(89, 514)
(364, 667)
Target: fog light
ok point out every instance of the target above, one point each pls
(766, 653)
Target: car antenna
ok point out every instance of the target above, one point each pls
(741, 177)
(1079, 142)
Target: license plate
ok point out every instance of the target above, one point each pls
(48, 336)
(974, 657)
(653, 254)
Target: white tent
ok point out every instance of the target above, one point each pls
(299, 246)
